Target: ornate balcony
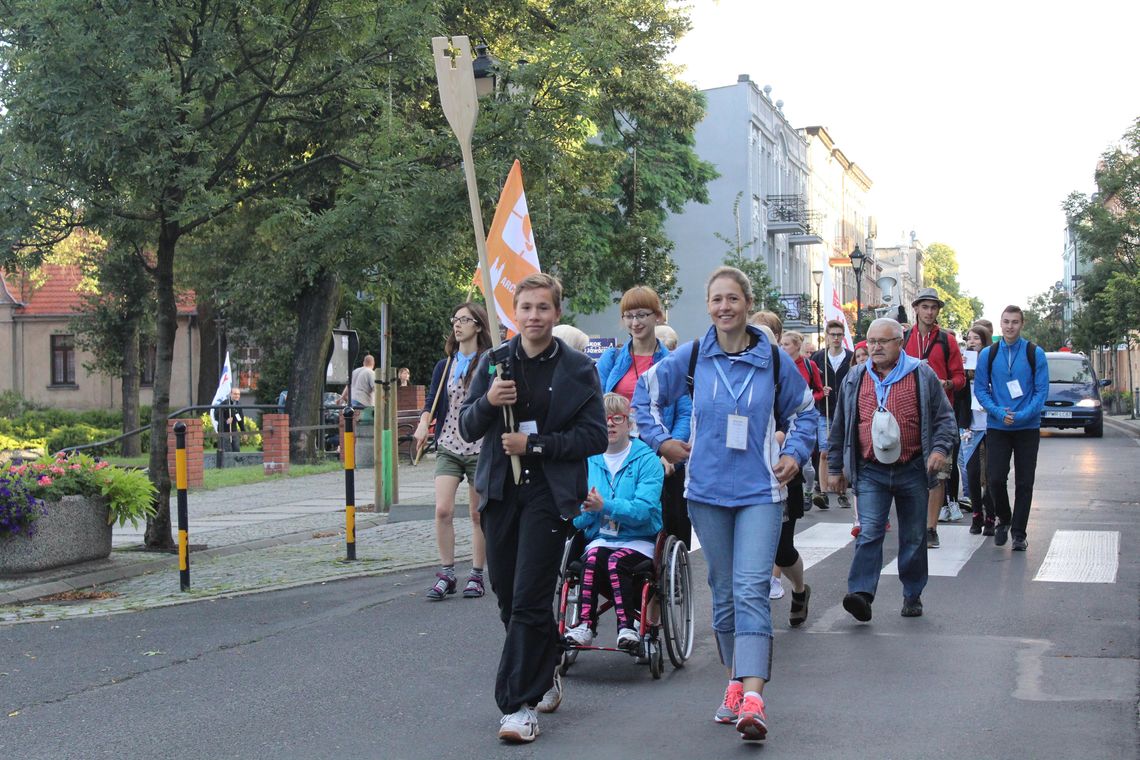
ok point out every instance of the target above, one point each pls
(788, 215)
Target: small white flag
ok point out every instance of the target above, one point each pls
(225, 383)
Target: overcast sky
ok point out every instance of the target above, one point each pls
(974, 120)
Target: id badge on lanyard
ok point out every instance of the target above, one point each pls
(736, 426)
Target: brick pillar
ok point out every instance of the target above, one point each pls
(194, 443)
(275, 443)
(410, 398)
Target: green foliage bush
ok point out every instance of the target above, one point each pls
(248, 442)
(80, 434)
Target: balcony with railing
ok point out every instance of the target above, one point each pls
(789, 215)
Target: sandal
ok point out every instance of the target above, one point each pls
(474, 587)
(444, 586)
(799, 611)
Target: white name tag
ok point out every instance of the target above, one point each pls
(1014, 389)
(530, 427)
(609, 528)
(736, 435)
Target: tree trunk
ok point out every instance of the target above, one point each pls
(132, 446)
(209, 368)
(158, 534)
(316, 309)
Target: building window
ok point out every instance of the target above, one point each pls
(63, 360)
(148, 357)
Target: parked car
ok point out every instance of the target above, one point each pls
(1074, 394)
(331, 409)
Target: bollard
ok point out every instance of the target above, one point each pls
(349, 449)
(180, 479)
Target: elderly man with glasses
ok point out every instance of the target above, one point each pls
(891, 432)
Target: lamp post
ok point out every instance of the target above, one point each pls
(455, 70)
(817, 277)
(858, 261)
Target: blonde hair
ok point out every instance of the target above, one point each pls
(615, 403)
(733, 274)
(667, 335)
(795, 337)
(771, 320)
(771, 336)
(571, 336)
(539, 281)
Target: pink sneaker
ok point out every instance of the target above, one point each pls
(752, 723)
(730, 709)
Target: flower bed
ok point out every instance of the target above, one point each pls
(59, 511)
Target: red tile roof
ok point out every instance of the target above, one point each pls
(54, 291)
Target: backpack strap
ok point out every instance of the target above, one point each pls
(775, 370)
(941, 339)
(1030, 355)
(692, 366)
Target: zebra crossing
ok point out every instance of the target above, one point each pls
(1073, 556)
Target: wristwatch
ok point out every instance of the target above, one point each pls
(532, 444)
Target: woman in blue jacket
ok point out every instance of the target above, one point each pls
(737, 474)
(620, 519)
(619, 369)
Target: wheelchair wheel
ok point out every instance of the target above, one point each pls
(567, 602)
(656, 659)
(676, 601)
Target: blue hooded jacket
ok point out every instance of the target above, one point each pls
(992, 391)
(614, 365)
(717, 474)
(631, 498)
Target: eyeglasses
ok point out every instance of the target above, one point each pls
(463, 320)
(637, 316)
(881, 341)
(835, 335)
(617, 419)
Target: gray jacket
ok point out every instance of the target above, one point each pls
(575, 430)
(938, 426)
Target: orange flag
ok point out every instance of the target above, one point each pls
(510, 248)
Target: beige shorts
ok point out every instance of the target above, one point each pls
(455, 465)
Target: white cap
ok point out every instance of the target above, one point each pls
(885, 437)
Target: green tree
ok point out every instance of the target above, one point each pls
(1108, 230)
(940, 271)
(1045, 319)
(149, 122)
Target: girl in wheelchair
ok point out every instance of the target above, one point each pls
(620, 520)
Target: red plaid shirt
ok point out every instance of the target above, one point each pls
(902, 402)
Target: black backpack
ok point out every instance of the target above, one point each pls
(696, 344)
(1030, 354)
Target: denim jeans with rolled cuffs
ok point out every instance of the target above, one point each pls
(739, 545)
(876, 487)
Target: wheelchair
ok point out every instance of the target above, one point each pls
(666, 612)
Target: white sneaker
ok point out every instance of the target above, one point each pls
(552, 698)
(581, 635)
(944, 514)
(777, 589)
(627, 638)
(955, 511)
(521, 726)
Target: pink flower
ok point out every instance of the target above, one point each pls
(101, 465)
(19, 470)
(44, 480)
(57, 470)
(74, 467)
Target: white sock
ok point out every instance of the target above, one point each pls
(753, 694)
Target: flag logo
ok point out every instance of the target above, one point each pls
(511, 250)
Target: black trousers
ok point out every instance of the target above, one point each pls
(675, 508)
(1023, 445)
(983, 503)
(525, 537)
(953, 484)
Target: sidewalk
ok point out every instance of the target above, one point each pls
(277, 534)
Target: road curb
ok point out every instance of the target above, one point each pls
(143, 567)
(1133, 431)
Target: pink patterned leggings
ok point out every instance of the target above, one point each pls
(618, 582)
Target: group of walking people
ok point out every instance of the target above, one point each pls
(718, 432)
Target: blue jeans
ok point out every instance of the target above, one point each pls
(740, 548)
(876, 486)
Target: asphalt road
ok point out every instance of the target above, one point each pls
(1001, 665)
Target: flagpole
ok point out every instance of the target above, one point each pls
(456, 78)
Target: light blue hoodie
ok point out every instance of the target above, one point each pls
(631, 497)
(717, 474)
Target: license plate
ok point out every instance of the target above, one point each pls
(1060, 415)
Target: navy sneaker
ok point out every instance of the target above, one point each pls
(1001, 534)
(1020, 544)
(912, 607)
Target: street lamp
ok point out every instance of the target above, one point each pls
(817, 276)
(858, 261)
(486, 70)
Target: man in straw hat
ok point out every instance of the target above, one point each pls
(938, 347)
